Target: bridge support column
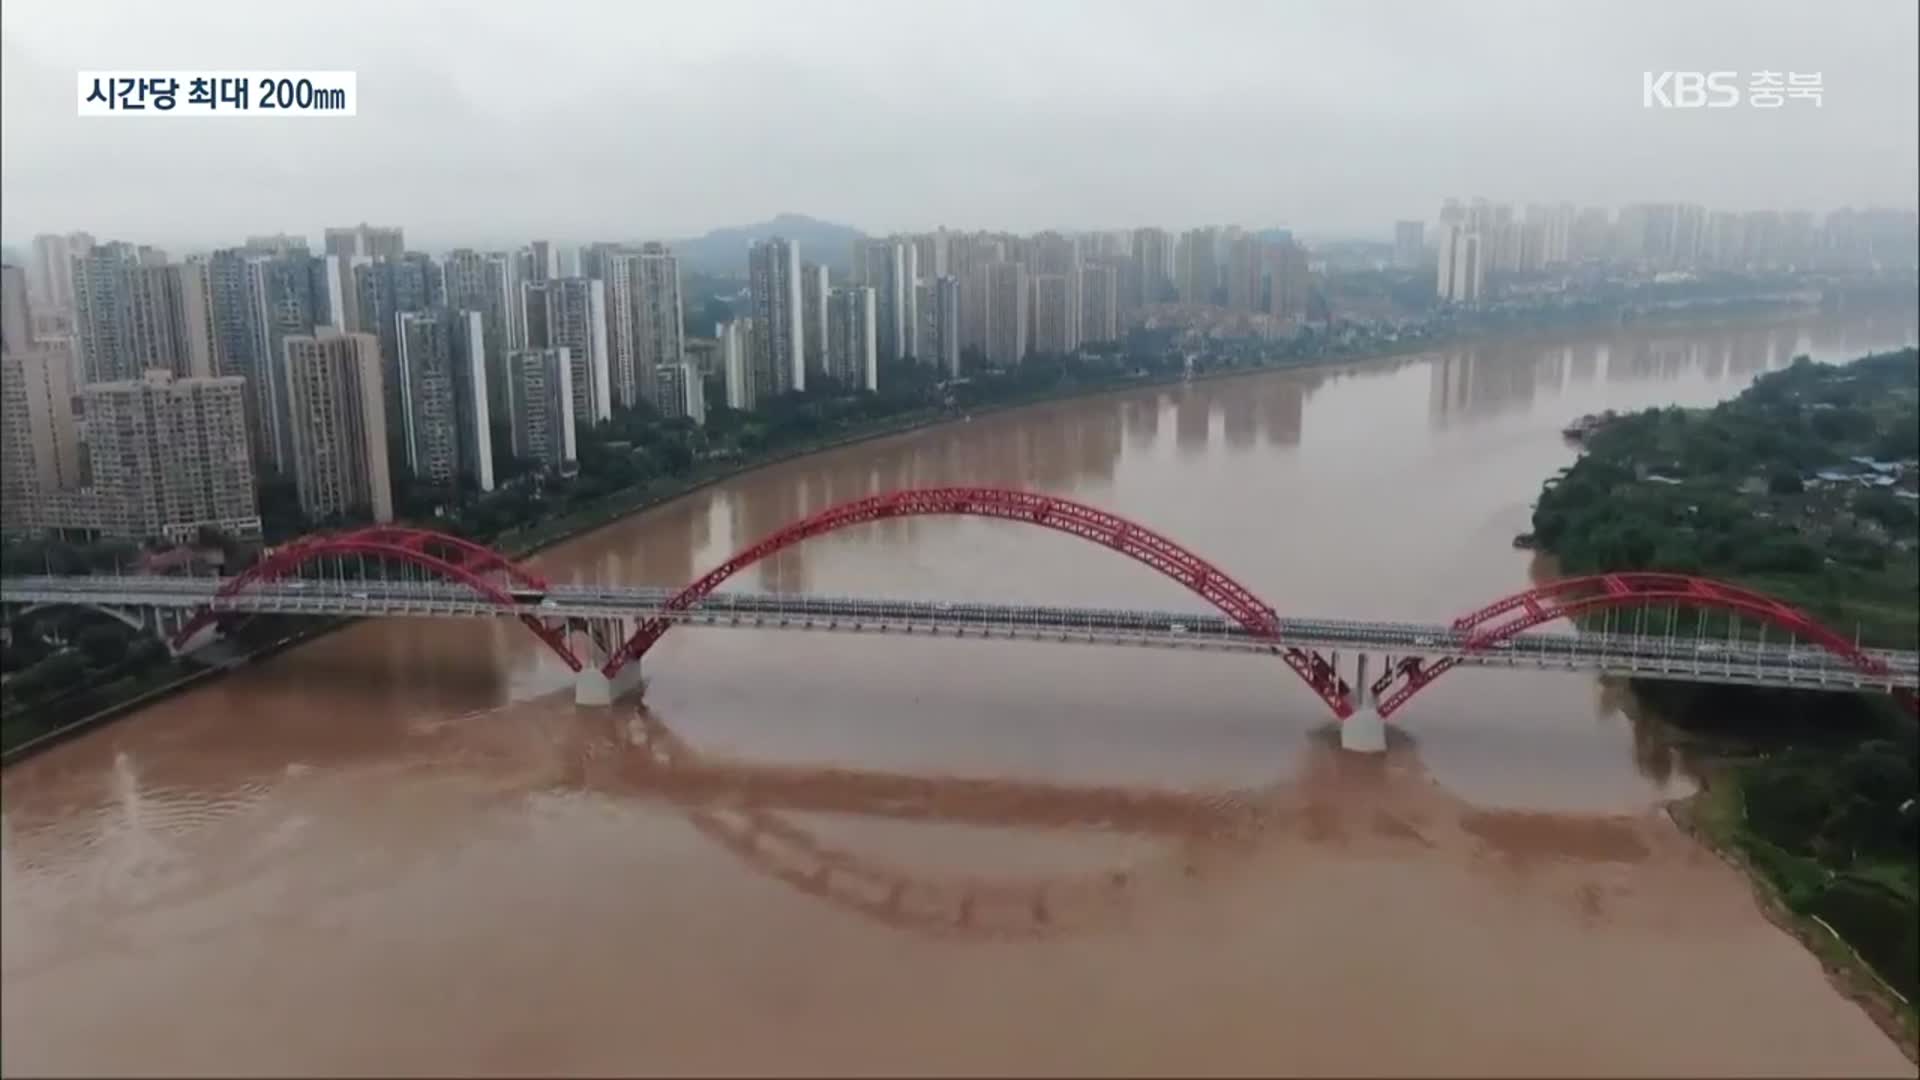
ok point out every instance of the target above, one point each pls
(201, 638)
(591, 687)
(1364, 731)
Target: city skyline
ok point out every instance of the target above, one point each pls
(375, 373)
(1306, 117)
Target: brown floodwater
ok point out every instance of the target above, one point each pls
(401, 848)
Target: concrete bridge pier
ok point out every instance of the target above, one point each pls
(1364, 731)
(200, 638)
(591, 687)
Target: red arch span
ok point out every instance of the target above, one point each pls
(460, 561)
(1235, 600)
(1570, 597)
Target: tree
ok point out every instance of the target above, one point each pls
(59, 672)
(104, 643)
(1783, 482)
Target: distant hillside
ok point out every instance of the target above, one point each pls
(724, 251)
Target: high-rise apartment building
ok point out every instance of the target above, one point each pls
(39, 443)
(52, 282)
(429, 397)
(1006, 290)
(813, 314)
(16, 313)
(927, 330)
(930, 255)
(1099, 303)
(853, 337)
(571, 313)
(1126, 289)
(384, 288)
(169, 456)
(539, 261)
(542, 407)
(126, 313)
(682, 392)
(369, 241)
(1196, 273)
(773, 271)
(736, 349)
(337, 423)
(446, 419)
(1052, 253)
(1153, 254)
(859, 268)
(943, 344)
(343, 274)
(1056, 314)
(1244, 272)
(286, 296)
(892, 270)
(284, 243)
(1556, 224)
(644, 321)
(473, 396)
(1591, 236)
(1288, 279)
(1462, 266)
(199, 338)
(489, 283)
(1409, 244)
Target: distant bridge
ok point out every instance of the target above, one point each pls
(1629, 624)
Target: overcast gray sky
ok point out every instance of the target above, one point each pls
(495, 122)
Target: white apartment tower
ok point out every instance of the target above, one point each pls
(1100, 302)
(682, 393)
(736, 348)
(774, 280)
(1056, 324)
(644, 321)
(571, 313)
(891, 268)
(1461, 270)
(542, 404)
(945, 347)
(813, 319)
(1006, 293)
(429, 397)
(853, 355)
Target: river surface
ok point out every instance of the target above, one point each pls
(401, 848)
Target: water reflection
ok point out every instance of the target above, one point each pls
(160, 835)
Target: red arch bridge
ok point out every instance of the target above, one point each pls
(1645, 625)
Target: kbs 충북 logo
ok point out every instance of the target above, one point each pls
(1722, 90)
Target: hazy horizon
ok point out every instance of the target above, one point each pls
(581, 120)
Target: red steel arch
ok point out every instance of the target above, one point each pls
(1029, 508)
(1569, 597)
(486, 572)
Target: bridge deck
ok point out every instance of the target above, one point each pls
(1620, 651)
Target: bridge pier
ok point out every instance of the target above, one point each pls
(200, 638)
(591, 687)
(1364, 731)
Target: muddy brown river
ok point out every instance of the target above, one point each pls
(402, 848)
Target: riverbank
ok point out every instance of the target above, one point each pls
(521, 544)
(1714, 817)
(1802, 487)
(526, 542)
